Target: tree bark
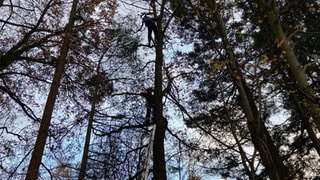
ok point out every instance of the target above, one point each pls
(33, 169)
(84, 160)
(159, 164)
(94, 101)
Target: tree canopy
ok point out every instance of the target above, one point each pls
(230, 89)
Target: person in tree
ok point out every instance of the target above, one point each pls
(148, 95)
(150, 23)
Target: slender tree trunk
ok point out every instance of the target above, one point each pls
(261, 139)
(84, 160)
(97, 81)
(244, 159)
(268, 10)
(159, 164)
(33, 169)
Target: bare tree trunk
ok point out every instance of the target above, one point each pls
(84, 160)
(97, 81)
(33, 169)
(250, 172)
(159, 164)
(268, 10)
(158, 147)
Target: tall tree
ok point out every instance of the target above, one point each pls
(99, 86)
(33, 169)
(270, 13)
(294, 21)
(159, 163)
(211, 24)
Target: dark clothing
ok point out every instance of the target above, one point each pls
(151, 25)
(149, 104)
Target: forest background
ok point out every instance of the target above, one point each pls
(235, 86)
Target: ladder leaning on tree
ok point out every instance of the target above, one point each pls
(149, 155)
